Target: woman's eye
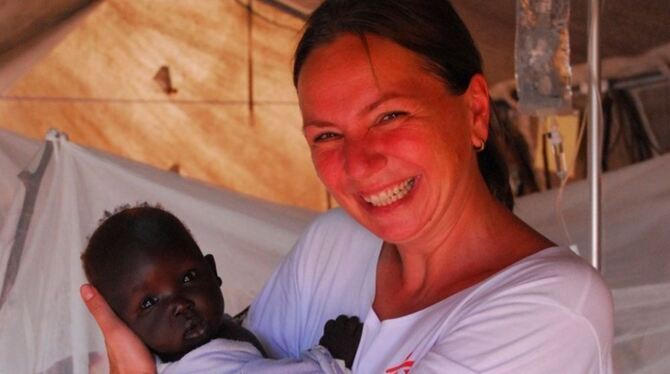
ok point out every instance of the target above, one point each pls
(148, 302)
(189, 276)
(325, 136)
(391, 116)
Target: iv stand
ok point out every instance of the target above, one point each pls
(594, 124)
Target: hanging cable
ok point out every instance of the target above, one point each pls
(569, 169)
(250, 61)
(266, 18)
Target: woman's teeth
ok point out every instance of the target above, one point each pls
(392, 194)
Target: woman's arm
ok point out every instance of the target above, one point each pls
(275, 316)
(125, 351)
(325, 275)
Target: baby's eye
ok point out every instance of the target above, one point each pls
(148, 302)
(391, 116)
(189, 276)
(325, 137)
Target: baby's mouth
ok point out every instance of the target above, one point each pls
(195, 328)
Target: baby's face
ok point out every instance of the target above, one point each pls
(173, 303)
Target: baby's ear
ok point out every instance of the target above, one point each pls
(209, 259)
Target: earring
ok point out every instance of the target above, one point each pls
(481, 146)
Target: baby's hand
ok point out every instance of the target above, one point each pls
(341, 337)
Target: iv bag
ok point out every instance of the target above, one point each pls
(542, 56)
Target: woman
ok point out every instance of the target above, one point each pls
(425, 249)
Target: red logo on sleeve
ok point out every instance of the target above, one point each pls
(402, 368)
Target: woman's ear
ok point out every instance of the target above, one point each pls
(209, 259)
(480, 109)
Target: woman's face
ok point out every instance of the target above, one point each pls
(391, 144)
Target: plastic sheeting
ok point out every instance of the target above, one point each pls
(43, 323)
(636, 254)
(45, 327)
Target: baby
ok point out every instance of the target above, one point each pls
(146, 264)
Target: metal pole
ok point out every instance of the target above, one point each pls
(594, 121)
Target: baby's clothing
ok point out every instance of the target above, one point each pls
(224, 356)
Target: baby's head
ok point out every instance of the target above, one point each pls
(146, 264)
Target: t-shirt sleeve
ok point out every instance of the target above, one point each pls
(325, 275)
(275, 315)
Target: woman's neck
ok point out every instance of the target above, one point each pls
(412, 276)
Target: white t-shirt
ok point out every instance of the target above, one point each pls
(223, 356)
(548, 313)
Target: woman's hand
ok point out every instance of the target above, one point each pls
(125, 351)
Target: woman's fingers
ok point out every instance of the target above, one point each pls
(100, 310)
(126, 352)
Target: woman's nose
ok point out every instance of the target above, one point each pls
(361, 159)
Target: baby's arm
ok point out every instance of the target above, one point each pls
(341, 337)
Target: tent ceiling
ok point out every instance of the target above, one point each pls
(628, 27)
(24, 19)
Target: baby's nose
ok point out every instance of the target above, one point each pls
(181, 306)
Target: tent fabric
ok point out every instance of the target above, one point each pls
(44, 324)
(43, 321)
(636, 254)
(234, 117)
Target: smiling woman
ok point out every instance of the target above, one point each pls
(424, 249)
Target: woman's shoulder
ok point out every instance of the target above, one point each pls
(561, 267)
(554, 281)
(335, 228)
(551, 307)
(557, 272)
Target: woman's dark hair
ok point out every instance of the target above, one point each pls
(430, 28)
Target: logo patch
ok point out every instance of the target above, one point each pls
(403, 368)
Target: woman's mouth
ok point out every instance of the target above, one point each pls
(391, 194)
